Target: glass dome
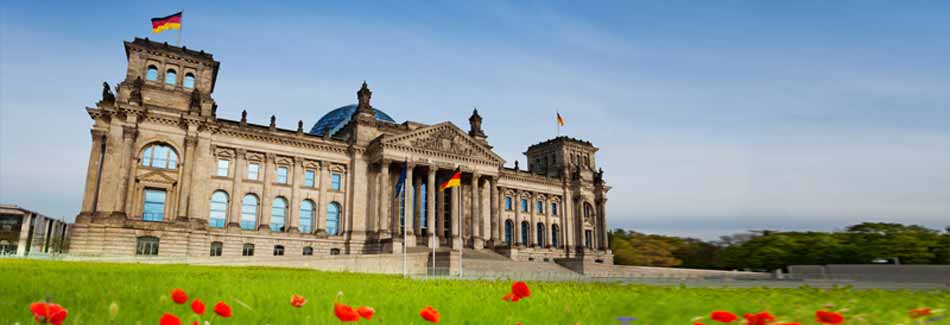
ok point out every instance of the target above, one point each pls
(337, 118)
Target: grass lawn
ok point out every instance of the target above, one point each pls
(262, 296)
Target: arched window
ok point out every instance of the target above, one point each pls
(333, 218)
(249, 212)
(554, 235)
(588, 211)
(278, 213)
(189, 81)
(247, 250)
(159, 155)
(306, 216)
(524, 232)
(216, 248)
(146, 245)
(508, 226)
(152, 73)
(278, 250)
(334, 251)
(307, 251)
(540, 229)
(171, 77)
(539, 207)
(219, 209)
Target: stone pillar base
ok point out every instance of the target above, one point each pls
(410, 240)
(433, 242)
(456, 242)
(478, 243)
(397, 247)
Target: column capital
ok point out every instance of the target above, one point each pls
(97, 135)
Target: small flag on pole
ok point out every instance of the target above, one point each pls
(560, 120)
(455, 181)
(165, 23)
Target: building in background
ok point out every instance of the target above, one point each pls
(24, 232)
(167, 177)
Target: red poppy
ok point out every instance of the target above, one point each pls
(698, 323)
(198, 307)
(222, 309)
(48, 313)
(297, 301)
(510, 297)
(828, 317)
(366, 312)
(195, 323)
(179, 296)
(430, 314)
(761, 318)
(345, 313)
(789, 324)
(169, 319)
(520, 289)
(919, 312)
(723, 316)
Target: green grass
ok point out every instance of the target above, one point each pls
(141, 292)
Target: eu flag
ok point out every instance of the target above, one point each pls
(402, 180)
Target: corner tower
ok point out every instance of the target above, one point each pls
(160, 75)
(561, 155)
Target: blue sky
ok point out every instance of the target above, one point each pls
(712, 117)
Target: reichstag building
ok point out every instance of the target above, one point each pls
(167, 177)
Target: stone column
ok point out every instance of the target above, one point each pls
(266, 199)
(547, 222)
(485, 212)
(477, 241)
(187, 168)
(92, 172)
(408, 213)
(417, 205)
(129, 133)
(430, 207)
(454, 202)
(516, 205)
(293, 215)
(494, 215)
(234, 208)
(384, 197)
(321, 223)
(21, 246)
(602, 216)
(500, 221)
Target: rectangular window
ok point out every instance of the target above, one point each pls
(335, 181)
(252, 170)
(554, 209)
(539, 207)
(524, 205)
(248, 250)
(154, 207)
(508, 204)
(282, 175)
(216, 249)
(309, 178)
(223, 167)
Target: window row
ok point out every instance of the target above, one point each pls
(540, 228)
(282, 172)
(538, 208)
(148, 245)
(250, 208)
(171, 77)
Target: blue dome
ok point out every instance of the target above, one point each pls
(337, 118)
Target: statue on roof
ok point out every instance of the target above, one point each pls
(107, 96)
(364, 95)
(475, 125)
(195, 105)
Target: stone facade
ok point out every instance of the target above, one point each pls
(167, 177)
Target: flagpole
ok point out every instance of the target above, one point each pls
(180, 27)
(461, 225)
(405, 267)
(557, 113)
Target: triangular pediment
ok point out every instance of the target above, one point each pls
(158, 176)
(447, 138)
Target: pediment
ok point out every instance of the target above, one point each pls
(158, 176)
(446, 138)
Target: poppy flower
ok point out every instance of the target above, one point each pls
(179, 296)
(366, 312)
(698, 323)
(828, 317)
(48, 313)
(169, 319)
(345, 313)
(510, 297)
(762, 318)
(520, 289)
(723, 316)
(222, 309)
(430, 314)
(297, 301)
(919, 312)
(789, 324)
(198, 307)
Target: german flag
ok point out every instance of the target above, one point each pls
(455, 181)
(560, 120)
(165, 23)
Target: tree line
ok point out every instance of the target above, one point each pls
(765, 250)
